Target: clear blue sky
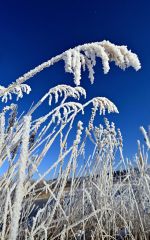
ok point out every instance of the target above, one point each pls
(32, 31)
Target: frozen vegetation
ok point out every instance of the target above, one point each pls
(86, 197)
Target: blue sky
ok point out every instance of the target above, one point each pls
(34, 31)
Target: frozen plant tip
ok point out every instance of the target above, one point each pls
(18, 90)
(85, 56)
(146, 137)
(66, 91)
(76, 59)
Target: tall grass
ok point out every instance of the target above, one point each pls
(91, 194)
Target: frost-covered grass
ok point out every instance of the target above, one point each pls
(96, 205)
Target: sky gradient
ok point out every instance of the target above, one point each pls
(34, 31)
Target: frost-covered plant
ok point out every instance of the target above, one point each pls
(79, 57)
(82, 194)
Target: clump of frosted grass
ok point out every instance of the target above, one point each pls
(89, 191)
